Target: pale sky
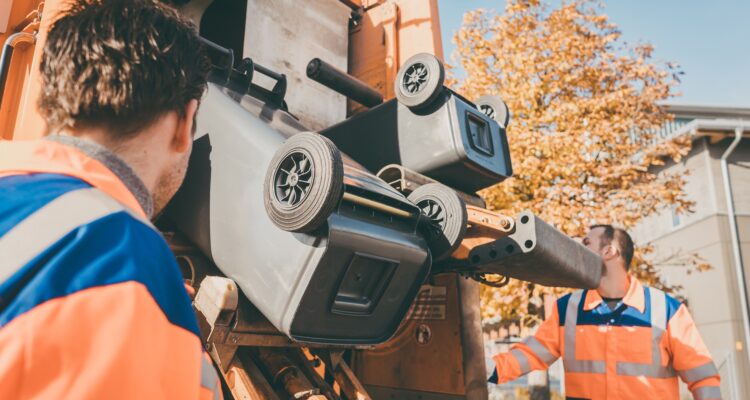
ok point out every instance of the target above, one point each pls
(709, 39)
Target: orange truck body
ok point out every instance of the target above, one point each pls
(388, 34)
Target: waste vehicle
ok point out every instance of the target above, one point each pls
(329, 219)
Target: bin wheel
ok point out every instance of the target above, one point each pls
(419, 81)
(447, 212)
(304, 182)
(495, 108)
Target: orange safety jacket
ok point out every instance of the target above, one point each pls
(92, 302)
(635, 351)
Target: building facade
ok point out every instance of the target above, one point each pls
(715, 298)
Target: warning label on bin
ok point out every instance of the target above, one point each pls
(427, 311)
(429, 293)
(430, 303)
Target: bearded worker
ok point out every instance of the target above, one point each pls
(620, 341)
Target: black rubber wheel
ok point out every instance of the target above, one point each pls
(304, 182)
(495, 108)
(447, 211)
(419, 81)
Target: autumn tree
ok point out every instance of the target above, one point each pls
(584, 107)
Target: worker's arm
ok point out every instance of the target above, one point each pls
(536, 352)
(690, 356)
(103, 317)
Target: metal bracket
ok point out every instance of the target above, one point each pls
(538, 253)
(217, 301)
(350, 385)
(485, 226)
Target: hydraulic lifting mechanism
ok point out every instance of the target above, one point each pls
(309, 266)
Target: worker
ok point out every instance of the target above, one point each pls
(92, 302)
(620, 341)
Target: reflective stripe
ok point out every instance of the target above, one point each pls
(707, 392)
(698, 373)
(540, 351)
(522, 360)
(658, 326)
(569, 361)
(50, 223)
(571, 319)
(648, 370)
(209, 378)
(658, 310)
(585, 366)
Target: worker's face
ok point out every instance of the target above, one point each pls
(593, 240)
(178, 154)
(596, 242)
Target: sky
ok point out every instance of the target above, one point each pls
(709, 39)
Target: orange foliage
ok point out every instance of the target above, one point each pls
(584, 106)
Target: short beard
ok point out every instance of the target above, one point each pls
(168, 184)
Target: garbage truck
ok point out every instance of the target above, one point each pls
(329, 220)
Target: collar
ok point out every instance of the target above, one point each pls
(633, 298)
(115, 164)
(98, 169)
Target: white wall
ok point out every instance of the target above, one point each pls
(699, 188)
(712, 296)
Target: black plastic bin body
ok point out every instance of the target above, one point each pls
(348, 284)
(451, 142)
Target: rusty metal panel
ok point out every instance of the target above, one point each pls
(472, 340)
(284, 35)
(438, 352)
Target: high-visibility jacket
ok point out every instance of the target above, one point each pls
(92, 302)
(634, 352)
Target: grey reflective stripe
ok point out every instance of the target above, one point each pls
(585, 366)
(658, 309)
(50, 223)
(707, 392)
(698, 373)
(538, 348)
(209, 378)
(647, 370)
(569, 361)
(571, 319)
(522, 360)
(658, 326)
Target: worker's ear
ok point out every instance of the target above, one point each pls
(183, 137)
(610, 252)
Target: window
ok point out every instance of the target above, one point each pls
(675, 216)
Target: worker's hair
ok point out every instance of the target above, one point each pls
(119, 65)
(623, 240)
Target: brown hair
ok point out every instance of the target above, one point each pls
(623, 240)
(119, 65)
